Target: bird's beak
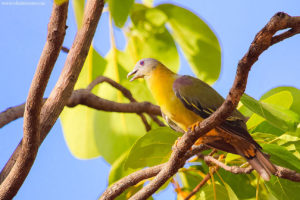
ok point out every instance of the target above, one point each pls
(134, 71)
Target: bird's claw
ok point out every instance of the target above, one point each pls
(193, 126)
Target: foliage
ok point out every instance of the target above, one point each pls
(122, 140)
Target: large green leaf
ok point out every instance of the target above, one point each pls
(149, 38)
(116, 132)
(221, 192)
(78, 122)
(117, 170)
(198, 42)
(281, 156)
(274, 110)
(120, 10)
(294, 105)
(60, 1)
(239, 183)
(78, 7)
(284, 189)
(153, 148)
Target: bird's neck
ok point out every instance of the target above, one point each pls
(160, 82)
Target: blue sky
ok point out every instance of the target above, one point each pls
(56, 174)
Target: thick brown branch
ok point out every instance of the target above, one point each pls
(262, 41)
(31, 139)
(64, 87)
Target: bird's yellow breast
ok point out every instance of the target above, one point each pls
(160, 83)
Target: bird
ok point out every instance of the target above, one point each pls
(185, 101)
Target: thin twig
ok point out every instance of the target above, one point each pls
(11, 114)
(65, 49)
(31, 127)
(201, 184)
(127, 94)
(123, 90)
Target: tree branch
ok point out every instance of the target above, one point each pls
(201, 184)
(87, 98)
(11, 114)
(30, 143)
(127, 94)
(120, 186)
(64, 87)
(262, 41)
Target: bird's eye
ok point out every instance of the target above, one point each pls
(142, 63)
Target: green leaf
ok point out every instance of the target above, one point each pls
(230, 192)
(207, 193)
(198, 42)
(191, 177)
(120, 10)
(149, 38)
(281, 156)
(151, 149)
(239, 183)
(264, 127)
(117, 170)
(283, 189)
(262, 137)
(116, 132)
(78, 122)
(78, 6)
(278, 115)
(58, 2)
(295, 104)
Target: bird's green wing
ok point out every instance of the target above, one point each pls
(202, 99)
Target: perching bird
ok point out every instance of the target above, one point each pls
(185, 101)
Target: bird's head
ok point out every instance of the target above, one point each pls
(143, 68)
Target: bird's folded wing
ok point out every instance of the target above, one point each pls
(203, 100)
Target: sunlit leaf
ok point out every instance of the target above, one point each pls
(198, 42)
(78, 122)
(116, 132)
(117, 170)
(275, 114)
(78, 6)
(283, 189)
(295, 104)
(281, 156)
(120, 10)
(149, 38)
(58, 2)
(191, 177)
(153, 148)
(239, 183)
(207, 193)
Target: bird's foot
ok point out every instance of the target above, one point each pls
(193, 126)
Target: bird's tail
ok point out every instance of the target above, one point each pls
(262, 165)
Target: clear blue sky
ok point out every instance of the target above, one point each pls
(56, 174)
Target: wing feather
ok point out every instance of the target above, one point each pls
(203, 100)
